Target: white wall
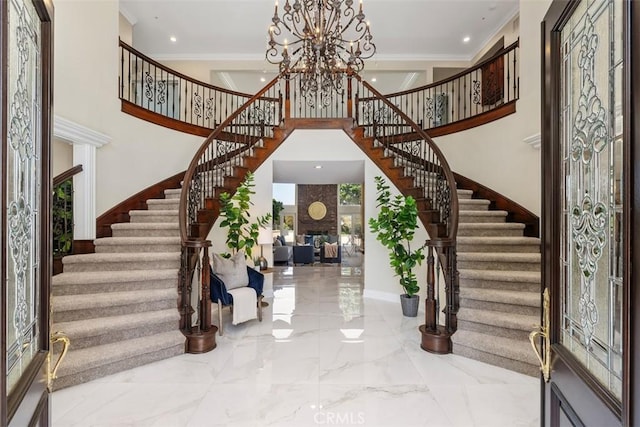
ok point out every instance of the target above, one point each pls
(495, 154)
(62, 157)
(86, 92)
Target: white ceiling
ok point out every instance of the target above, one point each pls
(237, 29)
(331, 172)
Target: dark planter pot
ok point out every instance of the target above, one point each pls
(409, 305)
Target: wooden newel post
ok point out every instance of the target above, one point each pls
(287, 97)
(431, 323)
(205, 303)
(349, 95)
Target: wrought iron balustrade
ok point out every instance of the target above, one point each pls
(152, 86)
(62, 212)
(483, 88)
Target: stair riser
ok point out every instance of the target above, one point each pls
(137, 248)
(499, 307)
(480, 219)
(64, 381)
(481, 247)
(115, 310)
(122, 266)
(137, 232)
(165, 206)
(173, 194)
(516, 334)
(492, 359)
(114, 287)
(117, 336)
(463, 195)
(498, 265)
(153, 218)
(500, 285)
(469, 206)
(489, 232)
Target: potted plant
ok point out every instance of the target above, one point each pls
(395, 226)
(242, 234)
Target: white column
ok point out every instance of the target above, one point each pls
(85, 142)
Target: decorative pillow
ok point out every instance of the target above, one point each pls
(300, 239)
(232, 271)
(277, 242)
(281, 238)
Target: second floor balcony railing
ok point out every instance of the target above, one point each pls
(482, 93)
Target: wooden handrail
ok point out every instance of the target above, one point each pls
(453, 226)
(59, 179)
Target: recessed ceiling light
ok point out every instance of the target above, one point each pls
(373, 79)
(466, 39)
(262, 79)
(318, 166)
(173, 39)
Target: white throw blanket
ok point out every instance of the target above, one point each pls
(245, 305)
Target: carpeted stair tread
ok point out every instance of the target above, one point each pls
(498, 240)
(173, 193)
(97, 359)
(523, 322)
(509, 348)
(464, 194)
(137, 244)
(154, 216)
(146, 225)
(482, 216)
(530, 299)
(498, 225)
(163, 204)
(101, 277)
(116, 241)
(502, 276)
(121, 257)
(97, 301)
(99, 326)
(499, 256)
(473, 204)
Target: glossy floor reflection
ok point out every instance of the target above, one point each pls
(323, 355)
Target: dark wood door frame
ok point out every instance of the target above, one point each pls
(29, 403)
(563, 389)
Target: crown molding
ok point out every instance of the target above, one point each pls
(130, 17)
(534, 141)
(78, 134)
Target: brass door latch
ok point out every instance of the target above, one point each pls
(543, 331)
(52, 374)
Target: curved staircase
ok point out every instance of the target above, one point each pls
(499, 276)
(118, 305)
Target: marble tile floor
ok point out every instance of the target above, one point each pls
(322, 356)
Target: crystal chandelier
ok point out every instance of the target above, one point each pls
(321, 41)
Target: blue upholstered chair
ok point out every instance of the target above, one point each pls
(303, 255)
(220, 295)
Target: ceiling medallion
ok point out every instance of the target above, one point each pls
(317, 210)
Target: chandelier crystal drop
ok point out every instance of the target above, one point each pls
(321, 40)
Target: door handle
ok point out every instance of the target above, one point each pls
(52, 374)
(543, 332)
